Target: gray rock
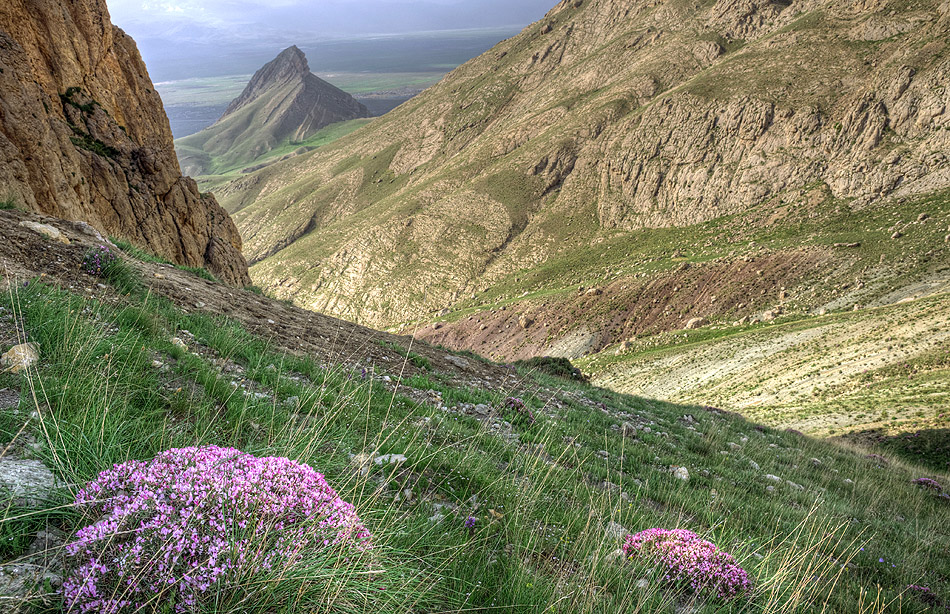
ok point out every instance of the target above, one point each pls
(458, 361)
(390, 459)
(754, 465)
(9, 399)
(22, 581)
(773, 478)
(48, 542)
(29, 483)
(615, 530)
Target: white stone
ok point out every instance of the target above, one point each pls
(681, 473)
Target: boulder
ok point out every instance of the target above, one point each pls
(21, 357)
(26, 483)
(51, 233)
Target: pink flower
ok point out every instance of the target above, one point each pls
(687, 559)
(184, 524)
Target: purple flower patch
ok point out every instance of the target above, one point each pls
(928, 483)
(180, 527)
(98, 260)
(688, 559)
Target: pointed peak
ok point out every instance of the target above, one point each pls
(289, 66)
(291, 60)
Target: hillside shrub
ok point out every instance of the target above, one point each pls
(558, 367)
(689, 561)
(103, 262)
(928, 483)
(184, 526)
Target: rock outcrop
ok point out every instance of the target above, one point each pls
(283, 102)
(84, 136)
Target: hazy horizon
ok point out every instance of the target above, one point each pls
(181, 39)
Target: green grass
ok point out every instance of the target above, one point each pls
(219, 169)
(419, 361)
(539, 499)
(7, 204)
(137, 253)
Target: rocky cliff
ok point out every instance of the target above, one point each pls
(610, 123)
(84, 136)
(283, 102)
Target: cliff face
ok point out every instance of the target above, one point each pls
(84, 136)
(283, 102)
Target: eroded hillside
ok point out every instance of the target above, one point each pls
(675, 125)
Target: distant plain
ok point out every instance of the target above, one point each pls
(382, 72)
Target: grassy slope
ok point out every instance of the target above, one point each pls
(541, 500)
(221, 169)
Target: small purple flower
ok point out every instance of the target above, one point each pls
(470, 522)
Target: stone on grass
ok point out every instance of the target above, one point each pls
(20, 357)
(681, 473)
(615, 530)
(773, 478)
(390, 459)
(695, 323)
(178, 343)
(26, 483)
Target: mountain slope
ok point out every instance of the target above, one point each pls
(485, 488)
(607, 123)
(283, 102)
(83, 136)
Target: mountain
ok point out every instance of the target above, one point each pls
(83, 136)
(586, 172)
(284, 102)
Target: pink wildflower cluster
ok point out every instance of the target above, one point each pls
(689, 559)
(928, 483)
(517, 405)
(98, 260)
(181, 526)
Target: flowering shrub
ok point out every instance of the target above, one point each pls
(183, 525)
(928, 483)
(98, 260)
(690, 560)
(517, 405)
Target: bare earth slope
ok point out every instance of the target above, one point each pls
(83, 136)
(601, 122)
(283, 102)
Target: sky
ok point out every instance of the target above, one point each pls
(326, 17)
(205, 38)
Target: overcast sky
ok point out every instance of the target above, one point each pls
(180, 39)
(328, 16)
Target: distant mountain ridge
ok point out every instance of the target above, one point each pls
(283, 102)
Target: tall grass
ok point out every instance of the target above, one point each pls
(541, 494)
